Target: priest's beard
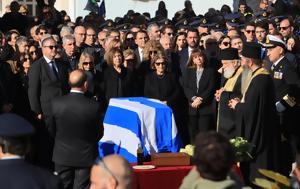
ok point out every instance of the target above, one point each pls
(228, 72)
(246, 76)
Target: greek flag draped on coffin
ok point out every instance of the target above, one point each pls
(129, 122)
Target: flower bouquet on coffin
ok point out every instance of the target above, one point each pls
(242, 149)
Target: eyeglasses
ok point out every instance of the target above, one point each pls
(87, 63)
(130, 39)
(51, 47)
(33, 52)
(153, 52)
(284, 27)
(26, 59)
(225, 43)
(104, 166)
(170, 34)
(43, 33)
(160, 64)
(250, 31)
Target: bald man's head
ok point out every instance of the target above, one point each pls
(77, 79)
(113, 171)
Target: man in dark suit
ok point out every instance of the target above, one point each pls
(141, 38)
(15, 172)
(193, 43)
(47, 80)
(78, 129)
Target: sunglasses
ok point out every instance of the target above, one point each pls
(87, 63)
(284, 28)
(170, 34)
(43, 33)
(51, 47)
(160, 63)
(250, 31)
(104, 166)
(225, 43)
(130, 39)
(33, 52)
(153, 52)
(26, 59)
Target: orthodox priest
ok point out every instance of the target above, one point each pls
(256, 115)
(231, 72)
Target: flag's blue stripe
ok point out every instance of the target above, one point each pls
(108, 148)
(125, 118)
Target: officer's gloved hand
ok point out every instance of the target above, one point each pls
(280, 107)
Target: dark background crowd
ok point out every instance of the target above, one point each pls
(178, 61)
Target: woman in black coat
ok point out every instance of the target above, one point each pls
(161, 84)
(118, 81)
(164, 86)
(199, 85)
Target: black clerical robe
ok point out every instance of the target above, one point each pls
(226, 116)
(256, 122)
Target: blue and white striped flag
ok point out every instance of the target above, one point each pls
(129, 122)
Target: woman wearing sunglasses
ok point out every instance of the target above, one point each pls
(152, 47)
(86, 63)
(164, 86)
(199, 84)
(118, 81)
(22, 106)
(224, 42)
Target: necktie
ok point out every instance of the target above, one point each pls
(54, 70)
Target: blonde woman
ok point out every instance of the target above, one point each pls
(86, 63)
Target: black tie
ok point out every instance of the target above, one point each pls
(54, 69)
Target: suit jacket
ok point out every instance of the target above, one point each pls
(77, 121)
(183, 59)
(71, 63)
(43, 86)
(206, 89)
(16, 173)
(138, 58)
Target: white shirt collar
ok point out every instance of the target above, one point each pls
(275, 63)
(48, 60)
(11, 157)
(190, 50)
(76, 91)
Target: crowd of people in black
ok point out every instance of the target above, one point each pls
(234, 72)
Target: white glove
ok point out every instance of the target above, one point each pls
(279, 107)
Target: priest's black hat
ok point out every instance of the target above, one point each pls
(229, 54)
(252, 50)
(12, 125)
